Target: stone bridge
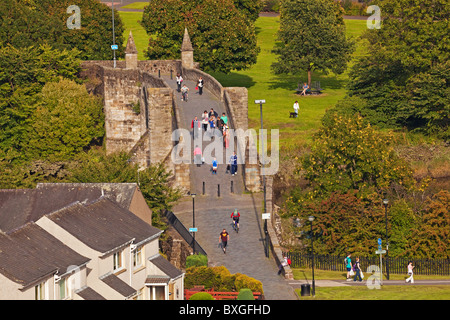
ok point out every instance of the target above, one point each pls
(142, 111)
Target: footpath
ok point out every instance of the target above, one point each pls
(245, 251)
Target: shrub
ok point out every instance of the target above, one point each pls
(196, 260)
(201, 296)
(245, 294)
(219, 279)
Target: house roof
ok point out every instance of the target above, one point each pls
(30, 254)
(165, 266)
(118, 285)
(103, 225)
(20, 206)
(87, 293)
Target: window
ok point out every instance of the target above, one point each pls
(40, 291)
(63, 289)
(117, 261)
(137, 257)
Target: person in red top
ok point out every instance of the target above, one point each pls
(235, 215)
(223, 239)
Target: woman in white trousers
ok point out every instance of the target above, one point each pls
(410, 272)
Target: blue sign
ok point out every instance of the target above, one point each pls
(193, 229)
(379, 241)
(115, 47)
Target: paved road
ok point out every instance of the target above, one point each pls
(245, 252)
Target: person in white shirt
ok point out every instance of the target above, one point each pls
(179, 79)
(296, 107)
(410, 272)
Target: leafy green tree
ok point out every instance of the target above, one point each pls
(432, 237)
(67, 120)
(25, 23)
(343, 223)
(23, 74)
(348, 154)
(311, 37)
(404, 77)
(223, 39)
(96, 166)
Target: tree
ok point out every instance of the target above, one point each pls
(432, 237)
(25, 23)
(348, 154)
(311, 37)
(96, 166)
(23, 74)
(67, 120)
(223, 39)
(404, 77)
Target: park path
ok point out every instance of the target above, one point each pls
(245, 252)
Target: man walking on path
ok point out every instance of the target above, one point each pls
(223, 239)
(233, 163)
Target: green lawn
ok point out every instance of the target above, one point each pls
(277, 90)
(136, 5)
(413, 292)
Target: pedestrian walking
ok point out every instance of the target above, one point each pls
(296, 107)
(196, 127)
(205, 120)
(224, 118)
(224, 237)
(200, 86)
(357, 268)
(226, 137)
(213, 113)
(410, 272)
(179, 80)
(198, 156)
(233, 163)
(212, 126)
(348, 266)
(214, 166)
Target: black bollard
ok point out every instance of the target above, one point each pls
(232, 187)
(218, 190)
(203, 187)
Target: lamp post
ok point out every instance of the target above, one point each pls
(193, 220)
(311, 219)
(261, 102)
(386, 203)
(114, 34)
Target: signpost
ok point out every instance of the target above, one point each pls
(380, 252)
(115, 47)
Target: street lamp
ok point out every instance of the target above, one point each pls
(261, 102)
(193, 221)
(311, 219)
(386, 203)
(114, 34)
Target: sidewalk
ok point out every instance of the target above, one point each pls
(245, 251)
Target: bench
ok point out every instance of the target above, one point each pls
(315, 88)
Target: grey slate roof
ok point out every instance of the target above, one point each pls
(103, 225)
(29, 254)
(87, 293)
(20, 206)
(165, 266)
(118, 285)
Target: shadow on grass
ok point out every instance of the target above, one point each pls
(233, 79)
(290, 82)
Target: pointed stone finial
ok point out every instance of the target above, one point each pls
(131, 61)
(131, 46)
(187, 51)
(186, 45)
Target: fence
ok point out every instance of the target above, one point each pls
(184, 233)
(396, 265)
